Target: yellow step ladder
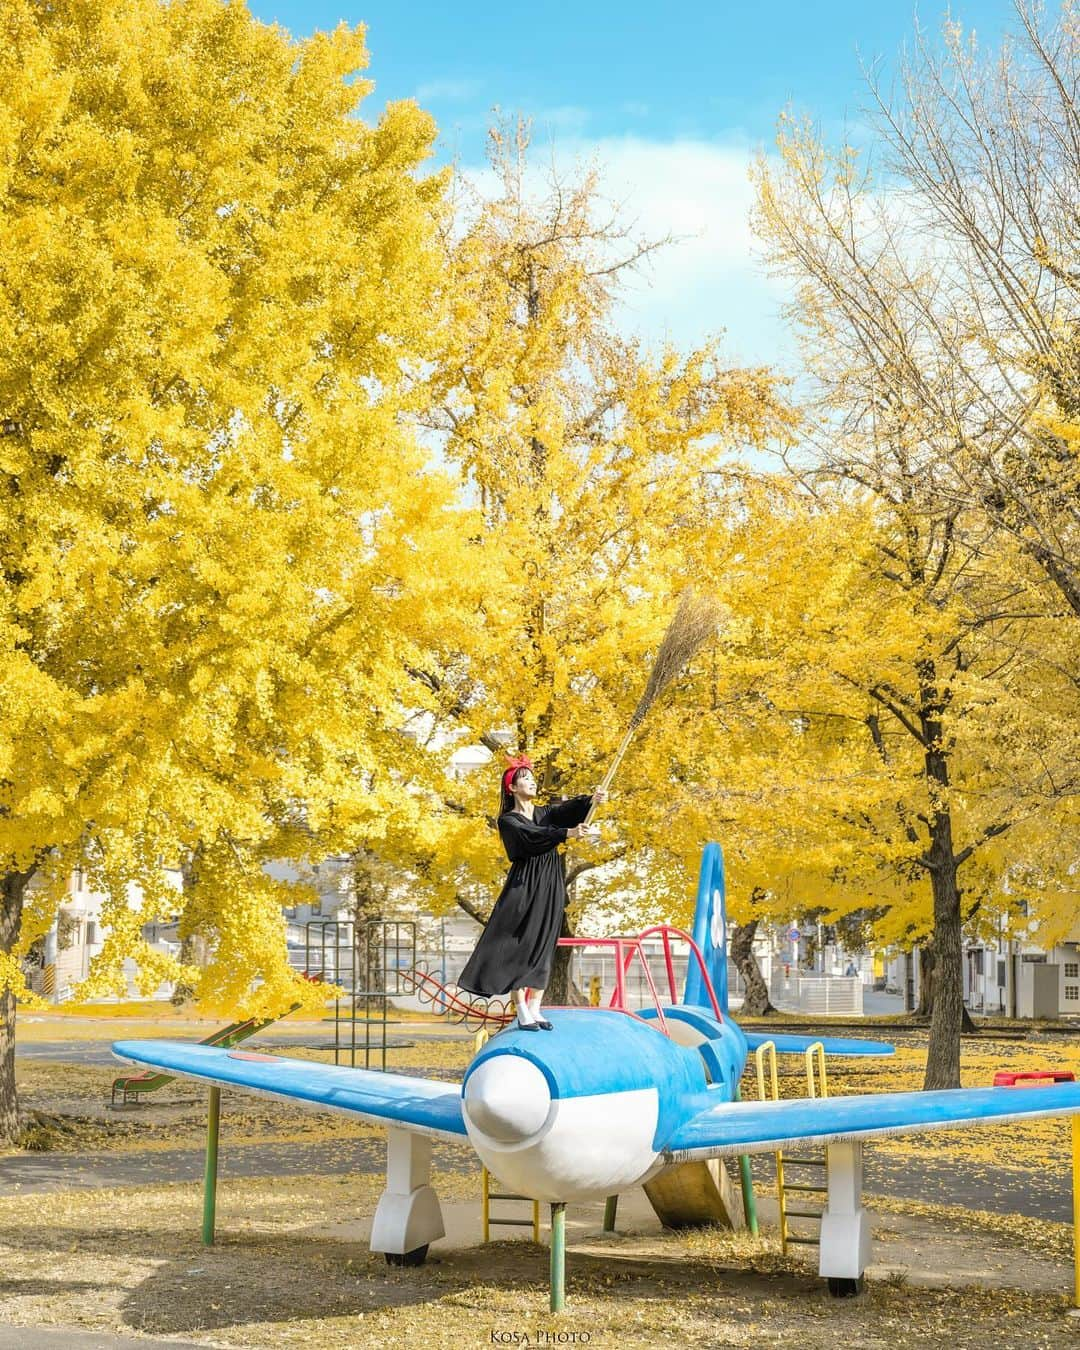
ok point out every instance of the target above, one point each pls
(487, 1222)
(817, 1085)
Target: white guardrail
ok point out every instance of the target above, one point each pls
(821, 995)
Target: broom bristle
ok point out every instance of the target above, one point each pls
(696, 621)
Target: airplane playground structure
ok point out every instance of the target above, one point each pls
(615, 1098)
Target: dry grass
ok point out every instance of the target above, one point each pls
(130, 1260)
(67, 1102)
(1034, 1146)
(1055, 1240)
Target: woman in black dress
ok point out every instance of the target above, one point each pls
(517, 947)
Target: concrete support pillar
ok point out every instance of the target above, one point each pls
(408, 1215)
(845, 1225)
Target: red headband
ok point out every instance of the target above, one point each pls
(517, 762)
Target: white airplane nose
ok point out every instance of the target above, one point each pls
(507, 1098)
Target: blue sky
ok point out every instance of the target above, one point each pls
(674, 106)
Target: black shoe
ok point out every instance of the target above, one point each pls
(529, 1026)
(544, 1025)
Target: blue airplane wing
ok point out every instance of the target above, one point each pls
(417, 1104)
(759, 1127)
(834, 1045)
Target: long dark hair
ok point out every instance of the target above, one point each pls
(506, 799)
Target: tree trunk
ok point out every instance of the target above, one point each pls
(756, 998)
(927, 986)
(370, 905)
(558, 990)
(192, 947)
(192, 953)
(925, 1008)
(562, 992)
(947, 1018)
(11, 906)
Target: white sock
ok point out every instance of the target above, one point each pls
(534, 1004)
(521, 1003)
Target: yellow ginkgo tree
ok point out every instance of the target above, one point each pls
(217, 286)
(890, 729)
(597, 465)
(920, 407)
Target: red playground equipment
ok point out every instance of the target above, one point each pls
(495, 1012)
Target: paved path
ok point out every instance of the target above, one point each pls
(33, 1173)
(877, 1003)
(1043, 1195)
(97, 1051)
(926, 1252)
(60, 1338)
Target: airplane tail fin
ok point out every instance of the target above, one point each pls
(710, 933)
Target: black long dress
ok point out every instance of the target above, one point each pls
(517, 947)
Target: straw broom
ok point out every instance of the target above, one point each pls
(695, 622)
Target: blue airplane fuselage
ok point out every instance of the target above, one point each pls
(587, 1108)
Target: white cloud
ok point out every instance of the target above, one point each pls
(710, 280)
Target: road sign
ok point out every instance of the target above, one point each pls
(793, 935)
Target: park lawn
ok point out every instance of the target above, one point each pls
(67, 1102)
(129, 1260)
(52, 1027)
(146, 1009)
(66, 1109)
(66, 1015)
(1034, 1146)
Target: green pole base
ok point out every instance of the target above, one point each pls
(749, 1203)
(611, 1204)
(558, 1257)
(213, 1123)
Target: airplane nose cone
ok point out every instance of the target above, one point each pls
(507, 1098)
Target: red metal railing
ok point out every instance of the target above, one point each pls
(667, 931)
(625, 949)
(465, 1008)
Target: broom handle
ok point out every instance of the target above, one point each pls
(613, 766)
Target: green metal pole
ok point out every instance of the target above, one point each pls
(213, 1121)
(611, 1204)
(749, 1204)
(558, 1257)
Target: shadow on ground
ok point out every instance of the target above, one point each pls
(185, 1297)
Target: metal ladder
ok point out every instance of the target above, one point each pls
(367, 963)
(817, 1085)
(487, 1194)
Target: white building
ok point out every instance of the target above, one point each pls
(76, 937)
(1005, 977)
